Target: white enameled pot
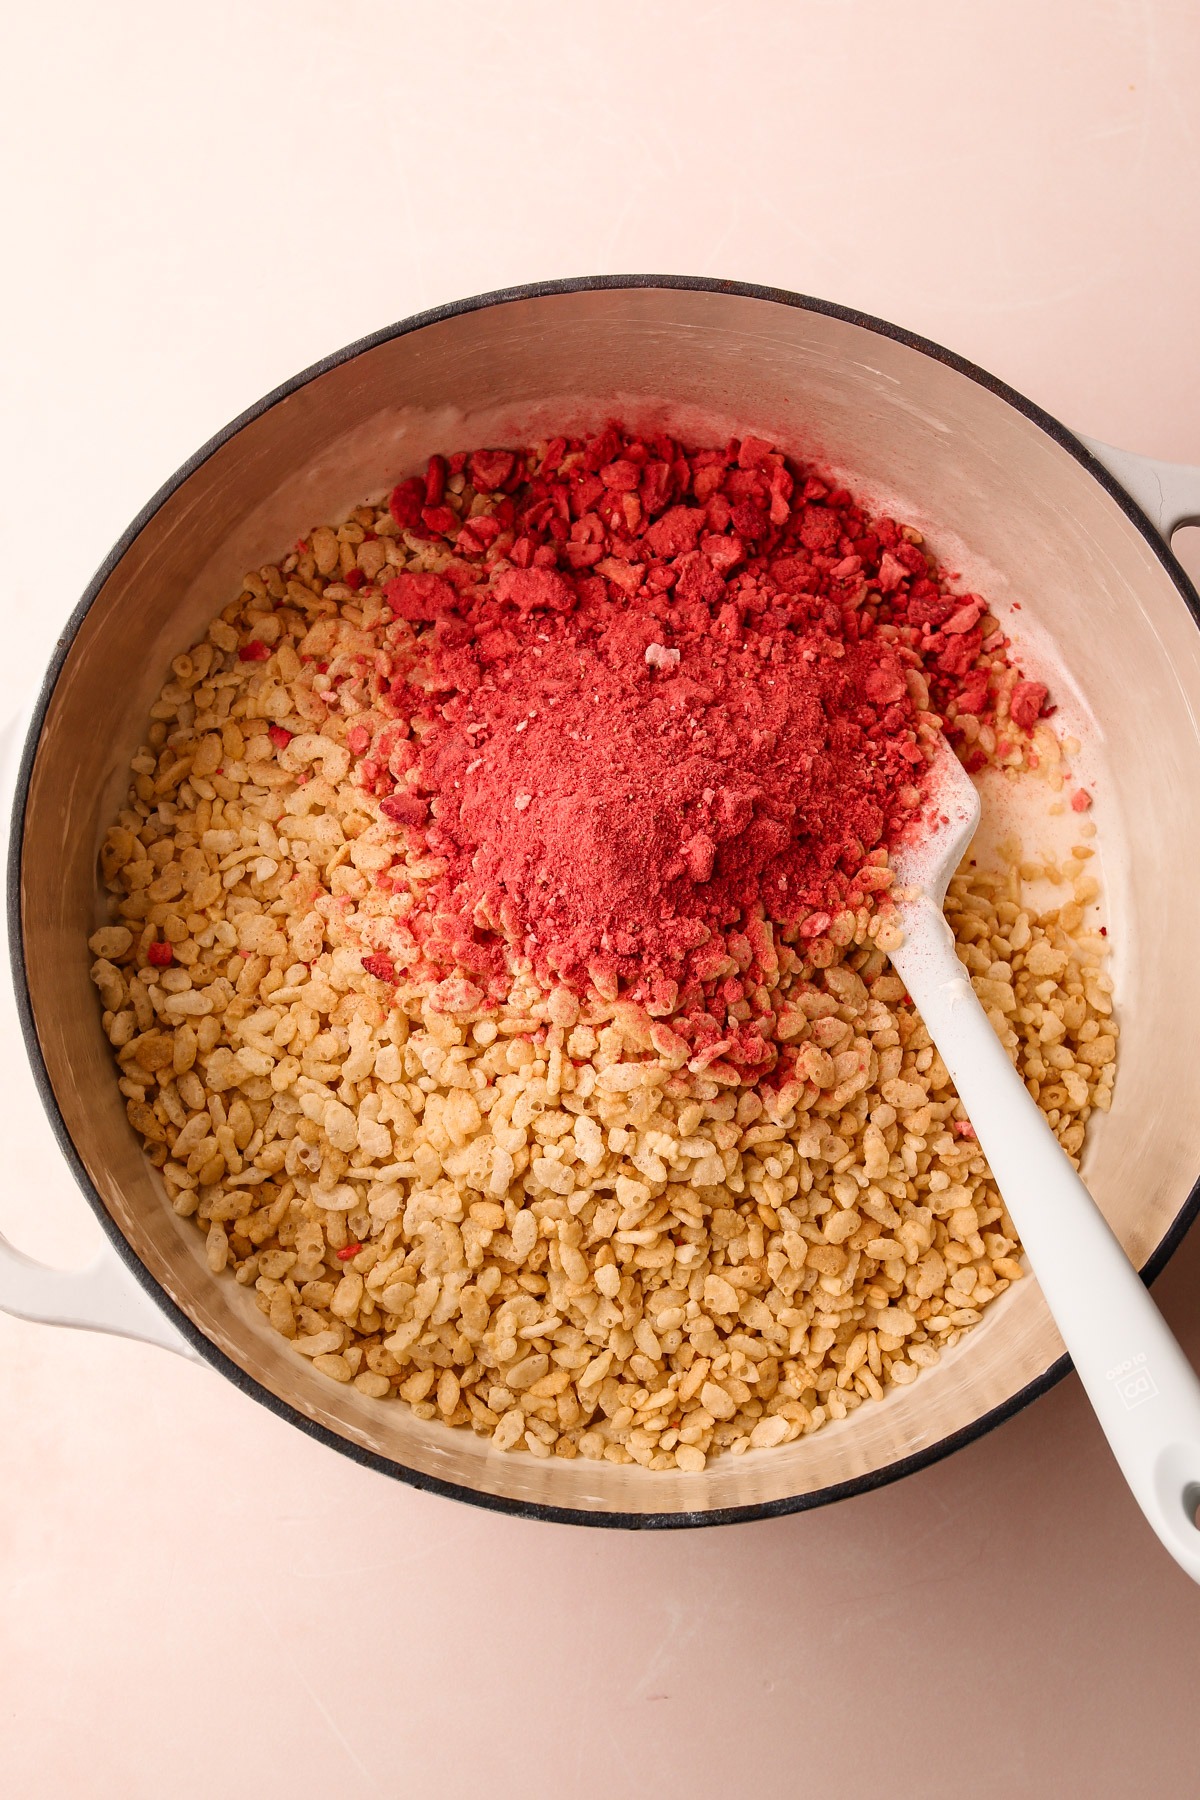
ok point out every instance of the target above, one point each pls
(1077, 534)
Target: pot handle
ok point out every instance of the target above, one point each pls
(1168, 493)
(101, 1297)
(104, 1296)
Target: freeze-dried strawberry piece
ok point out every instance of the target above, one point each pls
(913, 559)
(583, 492)
(699, 855)
(791, 573)
(753, 452)
(960, 653)
(734, 810)
(477, 535)
(698, 580)
(891, 573)
(745, 484)
(405, 502)
(435, 481)
(724, 553)
(583, 556)
(419, 597)
(602, 449)
(749, 519)
(706, 481)
(966, 616)
(622, 475)
(655, 486)
(972, 697)
(556, 449)
(405, 809)
(819, 528)
(534, 590)
(382, 967)
(675, 532)
(1025, 703)
(488, 470)
(885, 685)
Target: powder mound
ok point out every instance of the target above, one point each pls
(595, 805)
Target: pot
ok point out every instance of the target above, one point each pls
(1077, 534)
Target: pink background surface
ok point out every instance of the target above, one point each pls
(196, 1599)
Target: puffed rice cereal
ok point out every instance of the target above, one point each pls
(534, 1219)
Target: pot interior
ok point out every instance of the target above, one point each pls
(1000, 499)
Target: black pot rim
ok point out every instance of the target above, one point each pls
(648, 1521)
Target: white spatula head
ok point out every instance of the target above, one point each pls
(936, 841)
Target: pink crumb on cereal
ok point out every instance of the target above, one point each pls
(160, 955)
(1081, 800)
(380, 966)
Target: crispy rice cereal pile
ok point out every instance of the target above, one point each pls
(533, 1217)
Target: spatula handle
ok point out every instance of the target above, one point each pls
(1141, 1386)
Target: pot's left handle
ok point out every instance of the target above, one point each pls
(101, 1297)
(104, 1296)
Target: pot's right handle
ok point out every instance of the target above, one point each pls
(1168, 493)
(104, 1296)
